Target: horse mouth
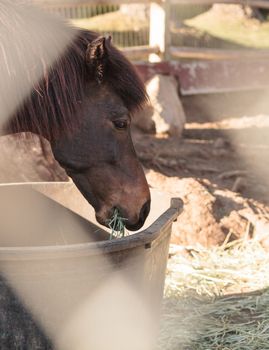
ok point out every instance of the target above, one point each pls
(134, 227)
(130, 227)
(117, 217)
(144, 212)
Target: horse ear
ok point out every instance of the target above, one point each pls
(96, 56)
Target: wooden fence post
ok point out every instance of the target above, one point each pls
(159, 34)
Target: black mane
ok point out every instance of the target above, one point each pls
(53, 106)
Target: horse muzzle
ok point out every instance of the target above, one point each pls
(141, 219)
(132, 223)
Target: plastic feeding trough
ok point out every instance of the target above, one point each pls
(65, 285)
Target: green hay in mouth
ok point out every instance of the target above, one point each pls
(117, 225)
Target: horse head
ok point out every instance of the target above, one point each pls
(99, 155)
(83, 104)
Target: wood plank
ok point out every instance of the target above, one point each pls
(222, 76)
(136, 52)
(159, 30)
(253, 3)
(72, 3)
(217, 54)
(204, 77)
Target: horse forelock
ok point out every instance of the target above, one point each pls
(125, 81)
(53, 106)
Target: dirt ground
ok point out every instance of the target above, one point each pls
(219, 168)
(223, 140)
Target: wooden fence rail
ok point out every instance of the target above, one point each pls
(253, 3)
(217, 54)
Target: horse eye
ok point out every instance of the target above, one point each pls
(120, 124)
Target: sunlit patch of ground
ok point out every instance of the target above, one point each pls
(232, 26)
(113, 21)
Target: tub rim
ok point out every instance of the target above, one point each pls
(142, 238)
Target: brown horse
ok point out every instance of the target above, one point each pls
(83, 105)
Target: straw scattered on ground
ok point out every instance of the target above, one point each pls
(217, 299)
(230, 23)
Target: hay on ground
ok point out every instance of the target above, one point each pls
(217, 299)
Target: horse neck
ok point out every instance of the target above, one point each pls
(10, 127)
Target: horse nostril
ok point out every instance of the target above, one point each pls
(144, 211)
